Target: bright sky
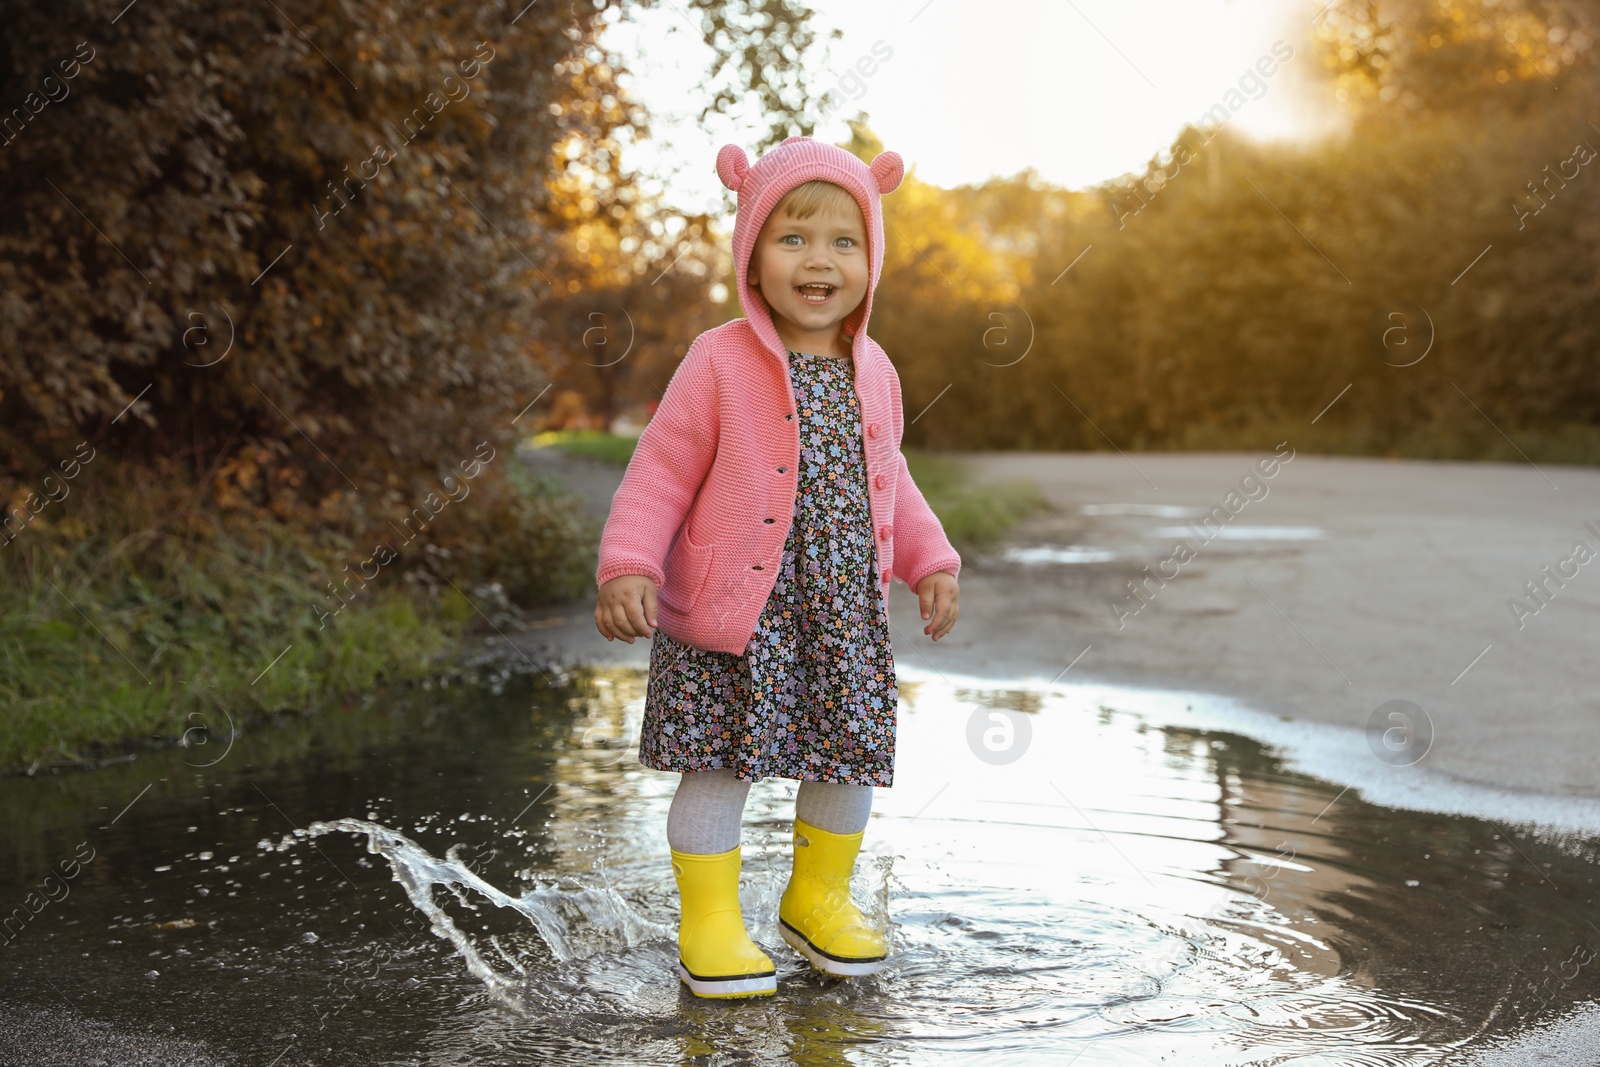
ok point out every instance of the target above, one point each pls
(1080, 90)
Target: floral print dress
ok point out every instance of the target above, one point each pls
(813, 696)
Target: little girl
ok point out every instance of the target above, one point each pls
(769, 503)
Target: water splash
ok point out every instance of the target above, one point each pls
(606, 917)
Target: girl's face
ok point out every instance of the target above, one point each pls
(812, 272)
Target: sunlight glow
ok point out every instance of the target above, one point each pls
(1081, 91)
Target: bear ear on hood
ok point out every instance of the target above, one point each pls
(887, 170)
(732, 165)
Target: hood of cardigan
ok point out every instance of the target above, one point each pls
(761, 185)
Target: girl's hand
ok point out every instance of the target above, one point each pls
(939, 597)
(626, 607)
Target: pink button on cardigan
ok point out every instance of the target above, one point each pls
(706, 503)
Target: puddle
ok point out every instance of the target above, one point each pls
(473, 876)
(1242, 533)
(1153, 511)
(1084, 554)
(1058, 554)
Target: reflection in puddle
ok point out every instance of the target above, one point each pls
(1242, 533)
(1062, 878)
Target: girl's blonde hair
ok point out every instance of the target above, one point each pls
(807, 198)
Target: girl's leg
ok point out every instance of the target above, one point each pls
(816, 915)
(716, 957)
(707, 811)
(838, 807)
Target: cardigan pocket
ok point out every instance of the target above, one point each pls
(686, 569)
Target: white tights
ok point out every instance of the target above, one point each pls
(708, 808)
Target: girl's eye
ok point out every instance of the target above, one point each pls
(848, 240)
(786, 236)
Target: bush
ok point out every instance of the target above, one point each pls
(529, 536)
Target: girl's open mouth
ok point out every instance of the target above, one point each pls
(815, 293)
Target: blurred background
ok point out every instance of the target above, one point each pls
(289, 292)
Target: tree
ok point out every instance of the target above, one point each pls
(326, 234)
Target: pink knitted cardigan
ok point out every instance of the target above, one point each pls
(707, 500)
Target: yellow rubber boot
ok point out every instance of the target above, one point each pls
(816, 914)
(716, 957)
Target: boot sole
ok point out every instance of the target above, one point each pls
(826, 962)
(739, 985)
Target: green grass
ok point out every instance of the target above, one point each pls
(589, 444)
(129, 617)
(973, 516)
(112, 643)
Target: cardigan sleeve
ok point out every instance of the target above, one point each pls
(920, 543)
(669, 464)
